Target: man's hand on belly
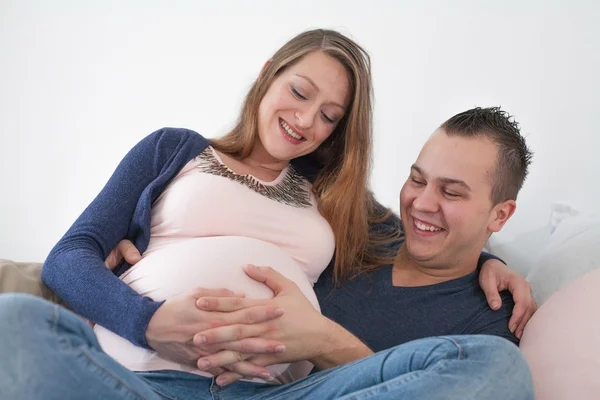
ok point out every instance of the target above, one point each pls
(307, 334)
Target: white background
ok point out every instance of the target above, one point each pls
(82, 81)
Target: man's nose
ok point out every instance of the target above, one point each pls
(426, 201)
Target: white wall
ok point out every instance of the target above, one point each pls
(82, 81)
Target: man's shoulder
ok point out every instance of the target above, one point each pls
(462, 304)
(486, 321)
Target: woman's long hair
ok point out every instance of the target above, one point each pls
(343, 160)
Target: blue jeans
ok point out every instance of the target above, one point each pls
(47, 352)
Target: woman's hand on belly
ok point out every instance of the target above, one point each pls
(172, 327)
(301, 328)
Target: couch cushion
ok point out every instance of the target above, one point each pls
(23, 277)
(562, 342)
(572, 250)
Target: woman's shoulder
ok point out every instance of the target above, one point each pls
(166, 143)
(165, 146)
(177, 136)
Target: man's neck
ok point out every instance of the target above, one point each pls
(410, 273)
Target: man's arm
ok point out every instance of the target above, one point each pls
(339, 347)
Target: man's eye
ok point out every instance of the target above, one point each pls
(450, 194)
(417, 182)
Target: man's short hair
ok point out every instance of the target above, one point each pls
(514, 157)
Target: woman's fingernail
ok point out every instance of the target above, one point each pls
(265, 375)
(203, 364)
(495, 304)
(512, 328)
(279, 348)
(202, 303)
(201, 339)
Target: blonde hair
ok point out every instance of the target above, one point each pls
(341, 183)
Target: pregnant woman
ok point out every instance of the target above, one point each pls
(216, 205)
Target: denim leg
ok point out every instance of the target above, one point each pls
(179, 385)
(47, 352)
(475, 367)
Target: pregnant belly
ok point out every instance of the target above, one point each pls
(214, 262)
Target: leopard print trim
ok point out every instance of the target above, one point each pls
(293, 190)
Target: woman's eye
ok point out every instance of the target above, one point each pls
(416, 181)
(297, 94)
(329, 120)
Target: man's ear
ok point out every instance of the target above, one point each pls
(500, 214)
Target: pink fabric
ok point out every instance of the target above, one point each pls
(199, 205)
(562, 342)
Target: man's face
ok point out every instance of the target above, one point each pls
(446, 204)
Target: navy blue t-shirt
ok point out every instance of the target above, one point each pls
(384, 316)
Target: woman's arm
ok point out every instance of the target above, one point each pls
(75, 267)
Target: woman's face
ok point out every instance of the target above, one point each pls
(303, 106)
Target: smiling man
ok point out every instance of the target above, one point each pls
(461, 189)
